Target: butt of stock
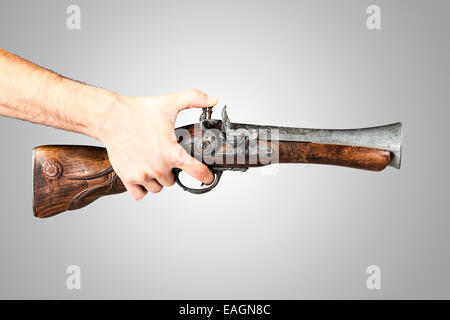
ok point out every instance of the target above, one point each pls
(71, 177)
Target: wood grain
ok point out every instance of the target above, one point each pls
(338, 155)
(71, 177)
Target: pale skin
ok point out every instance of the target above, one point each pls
(138, 132)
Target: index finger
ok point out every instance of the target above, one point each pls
(195, 168)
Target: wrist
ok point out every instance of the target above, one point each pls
(102, 113)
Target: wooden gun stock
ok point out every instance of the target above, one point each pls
(71, 177)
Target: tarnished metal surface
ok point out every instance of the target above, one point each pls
(387, 137)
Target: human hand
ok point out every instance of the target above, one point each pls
(138, 133)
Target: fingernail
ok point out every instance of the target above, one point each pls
(212, 100)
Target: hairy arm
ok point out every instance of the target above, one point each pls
(35, 94)
(138, 132)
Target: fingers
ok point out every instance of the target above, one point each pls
(167, 179)
(138, 191)
(194, 98)
(135, 190)
(153, 186)
(154, 170)
(193, 167)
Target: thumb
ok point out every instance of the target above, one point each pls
(194, 98)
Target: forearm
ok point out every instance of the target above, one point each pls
(35, 94)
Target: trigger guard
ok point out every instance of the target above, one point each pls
(217, 176)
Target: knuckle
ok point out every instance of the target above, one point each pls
(194, 93)
(135, 177)
(167, 182)
(129, 179)
(171, 156)
(178, 161)
(126, 179)
(142, 176)
(156, 189)
(157, 173)
(178, 156)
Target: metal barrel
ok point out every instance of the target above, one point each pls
(387, 137)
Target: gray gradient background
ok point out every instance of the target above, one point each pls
(309, 231)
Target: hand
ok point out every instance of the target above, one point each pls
(142, 147)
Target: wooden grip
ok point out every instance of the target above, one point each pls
(71, 177)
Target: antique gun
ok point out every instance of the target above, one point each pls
(70, 177)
